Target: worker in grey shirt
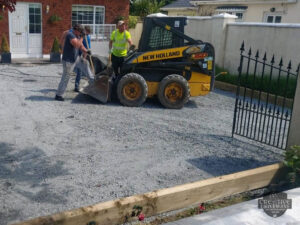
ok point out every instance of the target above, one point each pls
(71, 59)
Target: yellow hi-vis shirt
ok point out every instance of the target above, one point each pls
(119, 46)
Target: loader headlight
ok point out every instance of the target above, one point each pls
(195, 49)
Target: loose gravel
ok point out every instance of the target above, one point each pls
(57, 156)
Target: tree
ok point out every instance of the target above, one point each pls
(143, 8)
(8, 4)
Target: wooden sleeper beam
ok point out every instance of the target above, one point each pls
(163, 200)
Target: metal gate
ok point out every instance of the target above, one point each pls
(264, 99)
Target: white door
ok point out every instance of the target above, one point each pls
(25, 30)
(18, 26)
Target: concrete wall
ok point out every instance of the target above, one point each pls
(199, 28)
(278, 39)
(136, 33)
(227, 36)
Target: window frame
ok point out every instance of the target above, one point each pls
(36, 5)
(93, 26)
(274, 15)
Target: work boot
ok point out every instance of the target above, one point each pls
(59, 98)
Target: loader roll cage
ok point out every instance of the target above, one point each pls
(163, 33)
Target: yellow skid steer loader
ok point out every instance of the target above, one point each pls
(167, 64)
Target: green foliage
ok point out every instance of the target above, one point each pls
(292, 161)
(119, 18)
(4, 45)
(132, 21)
(55, 46)
(143, 8)
(274, 86)
(54, 18)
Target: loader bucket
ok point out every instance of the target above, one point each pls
(99, 89)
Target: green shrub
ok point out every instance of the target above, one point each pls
(119, 18)
(265, 85)
(292, 161)
(54, 18)
(55, 46)
(132, 21)
(143, 8)
(4, 45)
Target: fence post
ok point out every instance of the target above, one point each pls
(294, 131)
(219, 35)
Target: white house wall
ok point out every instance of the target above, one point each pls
(290, 12)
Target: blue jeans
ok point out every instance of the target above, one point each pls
(78, 77)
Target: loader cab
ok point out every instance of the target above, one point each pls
(155, 37)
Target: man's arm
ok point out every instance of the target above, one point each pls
(128, 37)
(78, 44)
(63, 38)
(129, 41)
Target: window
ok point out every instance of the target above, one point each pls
(88, 15)
(34, 19)
(239, 15)
(272, 18)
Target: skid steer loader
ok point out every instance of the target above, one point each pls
(167, 64)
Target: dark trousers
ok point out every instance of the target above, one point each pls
(117, 63)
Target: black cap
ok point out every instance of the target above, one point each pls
(79, 28)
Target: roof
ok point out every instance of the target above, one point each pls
(178, 4)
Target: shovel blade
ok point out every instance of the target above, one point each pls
(99, 89)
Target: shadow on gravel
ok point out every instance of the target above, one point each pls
(245, 144)
(244, 156)
(29, 169)
(85, 99)
(218, 166)
(191, 104)
(9, 215)
(152, 103)
(45, 91)
(39, 98)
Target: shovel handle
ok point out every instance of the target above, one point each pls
(90, 57)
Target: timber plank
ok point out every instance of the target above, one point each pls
(163, 200)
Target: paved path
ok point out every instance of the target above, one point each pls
(246, 213)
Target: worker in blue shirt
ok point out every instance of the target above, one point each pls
(87, 44)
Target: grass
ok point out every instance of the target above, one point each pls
(275, 86)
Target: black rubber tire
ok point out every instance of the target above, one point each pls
(139, 82)
(181, 83)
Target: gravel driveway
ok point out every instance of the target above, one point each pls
(57, 156)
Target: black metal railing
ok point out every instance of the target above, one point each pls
(264, 99)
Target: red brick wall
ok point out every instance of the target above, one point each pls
(63, 8)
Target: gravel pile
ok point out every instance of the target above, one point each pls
(57, 156)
